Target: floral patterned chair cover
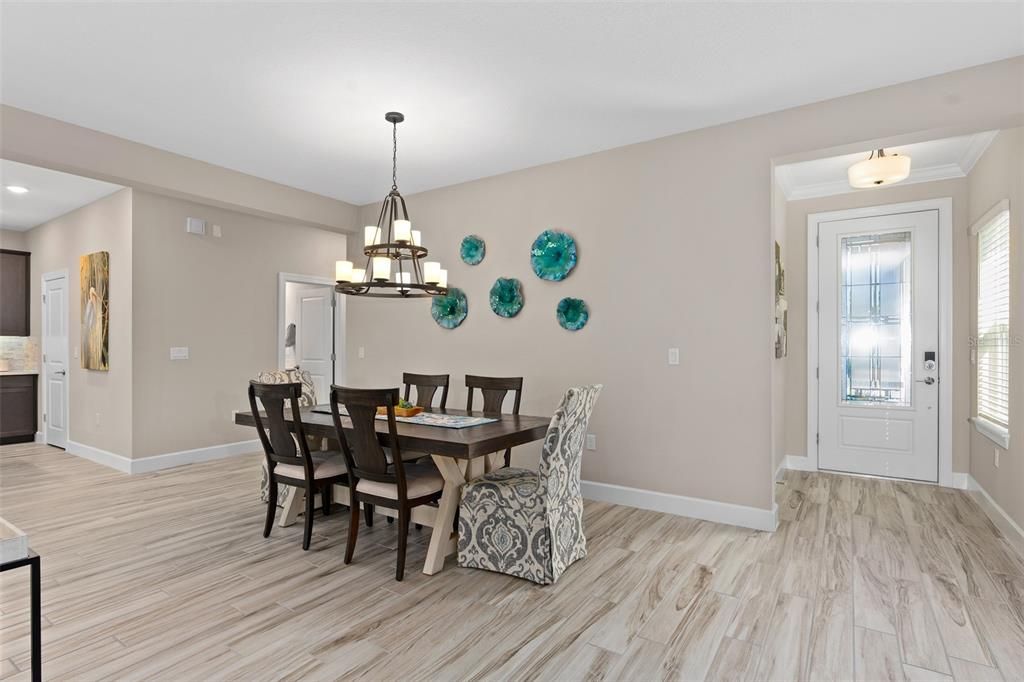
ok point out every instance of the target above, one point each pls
(307, 399)
(530, 523)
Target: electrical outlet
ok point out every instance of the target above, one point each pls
(97, 419)
(362, 352)
(995, 456)
(673, 356)
(591, 441)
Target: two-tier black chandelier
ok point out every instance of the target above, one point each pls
(396, 265)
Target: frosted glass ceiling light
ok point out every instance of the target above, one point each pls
(879, 169)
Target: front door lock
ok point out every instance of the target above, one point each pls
(927, 381)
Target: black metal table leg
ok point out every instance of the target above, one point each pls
(37, 621)
(32, 561)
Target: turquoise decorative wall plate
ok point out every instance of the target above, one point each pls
(507, 297)
(553, 255)
(472, 250)
(572, 314)
(450, 310)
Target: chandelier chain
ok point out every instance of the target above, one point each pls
(394, 156)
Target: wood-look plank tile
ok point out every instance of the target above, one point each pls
(954, 622)
(642, 661)
(966, 671)
(876, 657)
(736, 661)
(784, 654)
(915, 674)
(690, 653)
(874, 597)
(831, 639)
(1002, 632)
(590, 663)
(757, 603)
(677, 606)
(918, 634)
(836, 564)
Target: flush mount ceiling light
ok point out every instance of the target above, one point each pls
(393, 249)
(879, 169)
(16, 189)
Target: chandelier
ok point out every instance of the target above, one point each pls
(396, 265)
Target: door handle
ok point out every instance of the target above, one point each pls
(61, 372)
(927, 380)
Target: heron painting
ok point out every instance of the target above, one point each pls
(95, 283)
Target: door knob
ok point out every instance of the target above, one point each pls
(927, 380)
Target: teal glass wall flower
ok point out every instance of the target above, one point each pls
(472, 250)
(553, 255)
(507, 297)
(451, 309)
(572, 314)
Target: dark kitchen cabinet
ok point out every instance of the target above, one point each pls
(17, 408)
(14, 288)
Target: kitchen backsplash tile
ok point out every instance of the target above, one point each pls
(19, 354)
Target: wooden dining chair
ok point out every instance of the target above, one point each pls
(426, 387)
(494, 391)
(373, 479)
(289, 460)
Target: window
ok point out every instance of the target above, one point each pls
(992, 341)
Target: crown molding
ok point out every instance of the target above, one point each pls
(979, 143)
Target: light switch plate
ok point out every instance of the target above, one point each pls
(216, 230)
(591, 441)
(195, 226)
(179, 353)
(673, 356)
(362, 352)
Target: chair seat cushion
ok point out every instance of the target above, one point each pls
(325, 465)
(420, 479)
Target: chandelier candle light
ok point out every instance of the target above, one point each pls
(395, 265)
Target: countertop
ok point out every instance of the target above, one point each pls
(18, 372)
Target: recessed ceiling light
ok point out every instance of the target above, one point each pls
(17, 189)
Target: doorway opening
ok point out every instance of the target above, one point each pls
(310, 329)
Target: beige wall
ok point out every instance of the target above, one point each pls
(13, 239)
(218, 296)
(675, 250)
(999, 175)
(47, 142)
(100, 403)
(796, 288)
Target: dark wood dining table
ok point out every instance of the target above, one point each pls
(460, 455)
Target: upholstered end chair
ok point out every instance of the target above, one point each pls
(307, 399)
(530, 523)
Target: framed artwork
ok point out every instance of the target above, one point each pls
(94, 276)
(781, 307)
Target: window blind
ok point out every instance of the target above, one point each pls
(993, 338)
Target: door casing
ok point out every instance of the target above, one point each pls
(944, 206)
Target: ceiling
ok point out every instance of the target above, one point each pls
(50, 194)
(296, 93)
(951, 157)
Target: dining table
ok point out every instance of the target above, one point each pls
(461, 454)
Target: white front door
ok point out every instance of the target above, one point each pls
(311, 311)
(55, 363)
(878, 391)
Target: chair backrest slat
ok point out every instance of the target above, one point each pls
(426, 387)
(494, 390)
(363, 452)
(275, 435)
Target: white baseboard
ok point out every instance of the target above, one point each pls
(680, 505)
(780, 470)
(961, 481)
(799, 463)
(1013, 532)
(166, 461)
(108, 459)
(39, 437)
(146, 465)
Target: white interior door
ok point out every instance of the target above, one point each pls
(878, 331)
(309, 309)
(55, 363)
